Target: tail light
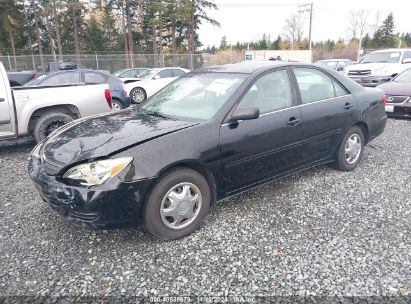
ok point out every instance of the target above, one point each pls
(124, 90)
(384, 99)
(107, 94)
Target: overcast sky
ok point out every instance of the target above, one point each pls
(329, 21)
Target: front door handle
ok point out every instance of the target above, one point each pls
(292, 122)
(2, 99)
(348, 106)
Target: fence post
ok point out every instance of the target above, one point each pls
(96, 60)
(8, 56)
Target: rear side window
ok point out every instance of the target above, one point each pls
(62, 78)
(178, 72)
(315, 85)
(166, 73)
(94, 78)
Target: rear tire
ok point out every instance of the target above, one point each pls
(177, 205)
(49, 122)
(350, 152)
(117, 105)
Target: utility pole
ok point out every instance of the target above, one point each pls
(308, 8)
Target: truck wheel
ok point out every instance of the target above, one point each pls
(350, 151)
(49, 122)
(177, 205)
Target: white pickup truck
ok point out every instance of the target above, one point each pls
(38, 111)
(379, 66)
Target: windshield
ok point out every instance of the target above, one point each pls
(330, 64)
(117, 73)
(195, 97)
(389, 57)
(147, 74)
(404, 77)
(34, 81)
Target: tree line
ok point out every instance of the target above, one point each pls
(360, 29)
(61, 27)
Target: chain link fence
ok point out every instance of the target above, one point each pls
(114, 62)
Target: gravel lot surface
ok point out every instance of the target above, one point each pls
(321, 232)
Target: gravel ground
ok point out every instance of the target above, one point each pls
(322, 232)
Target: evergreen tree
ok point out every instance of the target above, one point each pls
(383, 37)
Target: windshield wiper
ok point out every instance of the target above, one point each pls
(156, 113)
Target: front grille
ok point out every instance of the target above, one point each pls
(396, 99)
(359, 73)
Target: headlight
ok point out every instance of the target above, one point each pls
(96, 173)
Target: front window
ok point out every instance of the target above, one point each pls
(383, 57)
(404, 77)
(194, 97)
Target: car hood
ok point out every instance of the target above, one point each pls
(102, 135)
(396, 88)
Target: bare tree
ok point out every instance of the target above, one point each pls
(377, 21)
(358, 23)
(37, 27)
(294, 29)
(57, 28)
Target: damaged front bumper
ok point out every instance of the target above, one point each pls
(116, 202)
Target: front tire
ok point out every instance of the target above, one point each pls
(351, 149)
(177, 205)
(138, 95)
(49, 122)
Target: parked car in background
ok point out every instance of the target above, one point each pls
(210, 134)
(129, 75)
(398, 94)
(20, 78)
(63, 66)
(380, 66)
(39, 111)
(152, 81)
(120, 97)
(336, 64)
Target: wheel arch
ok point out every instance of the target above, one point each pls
(195, 166)
(365, 129)
(68, 109)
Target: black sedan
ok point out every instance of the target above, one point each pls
(210, 134)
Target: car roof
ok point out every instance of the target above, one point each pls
(390, 50)
(336, 59)
(246, 67)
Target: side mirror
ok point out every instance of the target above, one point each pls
(156, 77)
(340, 68)
(406, 60)
(245, 114)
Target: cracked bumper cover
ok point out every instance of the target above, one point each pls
(116, 202)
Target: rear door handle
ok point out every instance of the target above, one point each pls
(2, 99)
(292, 122)
(348, 106)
